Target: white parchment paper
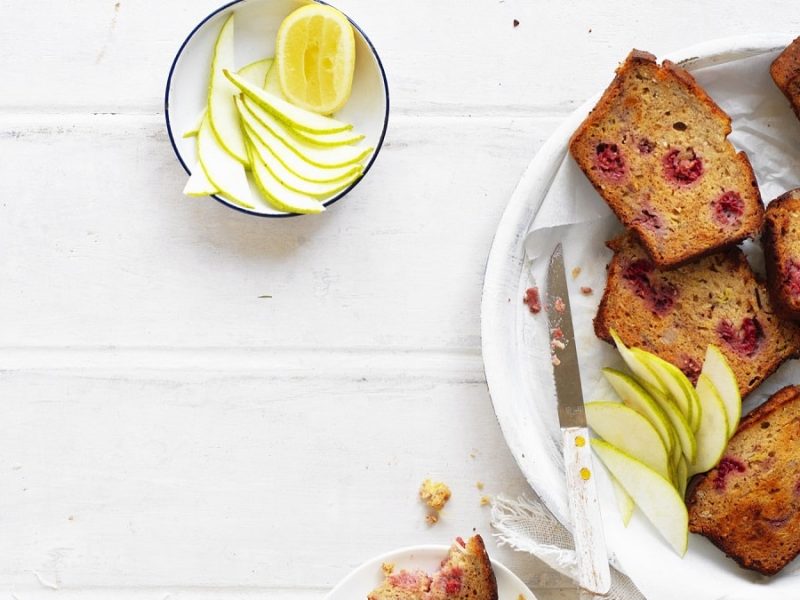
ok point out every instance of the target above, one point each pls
(573, 212)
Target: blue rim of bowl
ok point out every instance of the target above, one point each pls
(327, 203)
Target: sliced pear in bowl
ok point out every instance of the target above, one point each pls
(629, 431)
(625, 503)
(195, 129)
(644, 374)
(256, 71)
(272, 83)
(199, 184)
(288, 113)
(677, 384)
(655, 496)
(712, 435)
(289, 158)
(222, 114)
(223, 171)
(635, 397)
(322, 156)
(717, 369)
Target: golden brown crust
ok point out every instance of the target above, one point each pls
(781, 243)
(655, 148)
(785, 72)
(677, 313)
(749, 505)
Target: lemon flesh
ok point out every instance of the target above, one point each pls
(315, 54)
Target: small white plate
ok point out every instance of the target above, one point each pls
(257, 23)
(428, 558)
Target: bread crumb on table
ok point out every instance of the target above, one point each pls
(479, 485)
(432, 518)
(586, 290)
(485, 500)
(434, 493)
(575, 272)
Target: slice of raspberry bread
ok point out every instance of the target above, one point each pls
(781, 242)
(749, 505)
(465, 574)
(676, 314)
(655, 147)
(785, 71)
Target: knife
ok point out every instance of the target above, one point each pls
(590, 545)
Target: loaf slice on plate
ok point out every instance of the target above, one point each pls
(785, 71)
(781, 242)
(655, 147)
(749, 505)
(465, 574)
(677, 313)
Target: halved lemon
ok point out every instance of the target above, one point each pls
(315, 54)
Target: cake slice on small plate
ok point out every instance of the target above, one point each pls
(655, 147)
(678, 313)
(465, 574)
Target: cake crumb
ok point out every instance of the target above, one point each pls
(575, 272)
(558, 305)
(586, 290)
(387, 568)
(555, 360)
(434, 493)
(521, 597)
(485, 500)
(479, 485)
(532, 300)
(432, 518)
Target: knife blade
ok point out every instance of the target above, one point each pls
(590, 547)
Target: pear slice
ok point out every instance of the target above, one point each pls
(712, 435)
(272, 83)
(289, 179)
(198, 184)
(223, 171)
(655, 496)
(635, 397)
(330, 156)
(288, 113)
(679, 424)
(195, 129)
(682, 475)
(644, 374)
(629, 431)
(277, 194)
(256, 72)
(625, 503)
(289, 159)
(677, 384)
(718, 370)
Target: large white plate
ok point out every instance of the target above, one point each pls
(523, 397)
(368, 576)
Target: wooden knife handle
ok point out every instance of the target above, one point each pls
(590, 547)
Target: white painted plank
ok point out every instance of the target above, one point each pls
(101, 249)
(444, 56)
(217, 480)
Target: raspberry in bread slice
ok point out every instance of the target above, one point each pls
(465, 574)
(655, 147)
(781, 242)
(785, 71)
(749, 505)
(677, 313)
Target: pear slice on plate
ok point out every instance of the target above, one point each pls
(222, 113)
(712, 435)
(256, 71)
(718, 370)
(682, 475)
(195, 129)
(635, 396)
(680, 425)
(625, 503)
(629, 431)
(288, 113)
(223, 171)
(330, 156)
(198, 184)
(655, 496)
(289, 179)
(272, 83)
(289, 159)
(644, 374)
(277, 194)
(678, 385)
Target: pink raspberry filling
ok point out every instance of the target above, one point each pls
(725, 467)
(649, 219)
(645, 146)
(745, 340)
(792, 279)
(406, 580)
(609, 160)
(660, 297)
(682, 167)
(728, 208)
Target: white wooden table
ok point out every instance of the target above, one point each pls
(167, 431)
